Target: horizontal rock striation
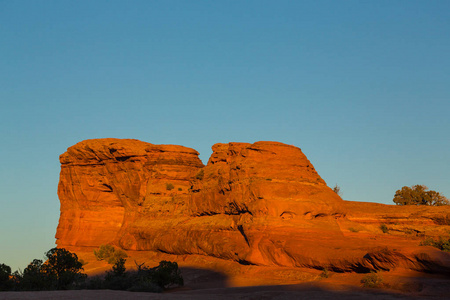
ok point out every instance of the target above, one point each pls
(258, 204)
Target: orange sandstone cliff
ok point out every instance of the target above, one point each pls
(255, 204)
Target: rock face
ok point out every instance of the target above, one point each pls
(258, 204)
(106, 184)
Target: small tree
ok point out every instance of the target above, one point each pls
(110, 254)
(63, 266)
(337, 190)
(166, 274)
(419, 195)
(119, 267)
(5, 273)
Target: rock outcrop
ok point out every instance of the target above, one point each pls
(256, 204)
(105, 185)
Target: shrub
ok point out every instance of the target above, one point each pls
(200, 174)
(110, 254)
(146, 279)
(166, 274)
(119, 267)
(372, 280)
(384, 228)
(33, 278)
(337, 190)
(352, 229)
(442, 243)
(418, 195)
(5, 273)
(325, 273)
(169, 186)
(61, 270)
(63, 267)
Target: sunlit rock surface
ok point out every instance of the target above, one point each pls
(255, 204)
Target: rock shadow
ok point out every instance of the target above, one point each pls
(197, 278)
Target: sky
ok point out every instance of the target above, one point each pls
(362, 87)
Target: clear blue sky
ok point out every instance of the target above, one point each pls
(363, 87)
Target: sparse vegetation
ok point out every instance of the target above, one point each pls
(372, 280)
(145, 279)
(352, 229)
(200, 174)
(180, 189)
(337, 190)
(441, 243)
(110, 254)
(384, 228)
(418, 195)
(62, 270)
(169, 186)
(5, 273)
(325, 273)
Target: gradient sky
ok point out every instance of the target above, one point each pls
(362, 87)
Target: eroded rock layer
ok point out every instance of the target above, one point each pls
(257, 204)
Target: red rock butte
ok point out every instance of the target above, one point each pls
(259, 204)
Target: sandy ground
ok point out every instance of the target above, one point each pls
(228, 280)
(260, 292)
(399, 285)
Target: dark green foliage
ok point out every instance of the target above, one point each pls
(372, 280)
(166, 274)
(104, 252)
(110, 254)
(119, 267)
(384, 228)
(5, 273)
(61, 270)
(169, 186)
(33, 278)
(64, 267)
(442, 243)
(146, 279)
(418, 195)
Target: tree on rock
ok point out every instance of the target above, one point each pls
(419, 195)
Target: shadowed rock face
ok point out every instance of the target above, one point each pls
(261, 204)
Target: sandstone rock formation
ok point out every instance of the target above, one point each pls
(256, 204)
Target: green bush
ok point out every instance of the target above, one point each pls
(110, 254)
(442, 243)
(325, 273)
(372, 280)
(146, 279)
(352, 229)
(169, 186)
(384, 228)
(418, 195)
(60, 271)
(166, 274)
(64, 267)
